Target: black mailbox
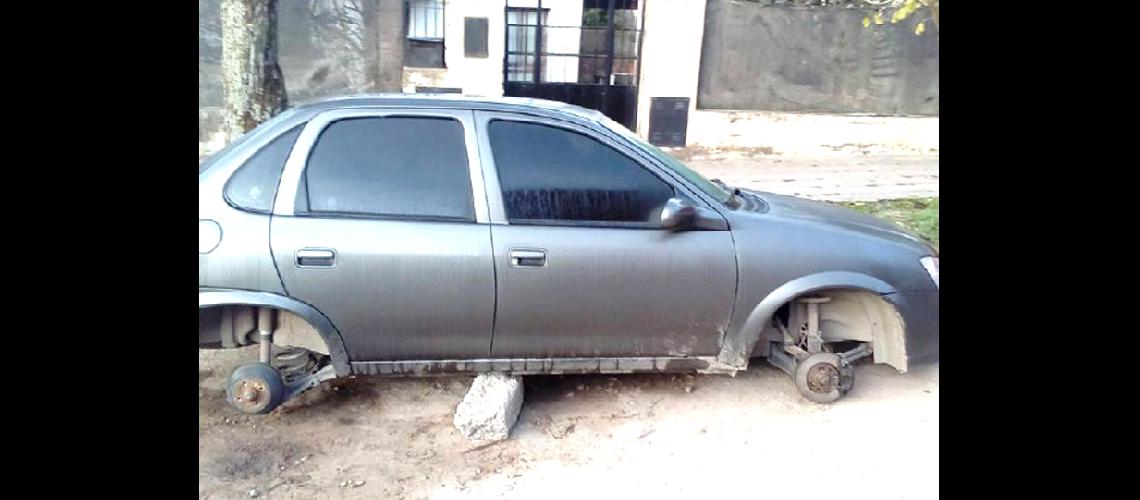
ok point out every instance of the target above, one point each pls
(668, 121)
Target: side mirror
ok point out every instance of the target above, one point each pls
(682, 215)
(678, 215)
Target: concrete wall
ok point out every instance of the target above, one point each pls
(781, 58)
(209, 54)
(318, 59)
(677, 32)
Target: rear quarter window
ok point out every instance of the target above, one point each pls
(254, 185)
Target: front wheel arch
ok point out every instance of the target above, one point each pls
(739, 343)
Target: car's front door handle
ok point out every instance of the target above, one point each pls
(316, 257)
(528, 258)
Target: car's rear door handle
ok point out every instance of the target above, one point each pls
(528, 258)
(316, 257)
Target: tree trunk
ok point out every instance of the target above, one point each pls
(390, 28)
(254, 86)
(369, 14)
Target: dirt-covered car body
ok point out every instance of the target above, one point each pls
(411, 234)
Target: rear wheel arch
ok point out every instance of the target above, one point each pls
(215, 302)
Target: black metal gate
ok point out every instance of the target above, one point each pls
(594, 64)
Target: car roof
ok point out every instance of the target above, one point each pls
(455, 101)
(305, 111)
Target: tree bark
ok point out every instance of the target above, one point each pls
(390, 28)
(369, 14)
(251, 76)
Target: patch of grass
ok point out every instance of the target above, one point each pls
(917, 215)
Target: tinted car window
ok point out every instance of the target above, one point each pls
(253, 186)
(213, 159)
(552, 174)
(392, 167)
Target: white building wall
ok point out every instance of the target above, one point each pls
(475, 76)
(670, 55)
(484, 76)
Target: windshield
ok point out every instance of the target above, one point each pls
(709, 187)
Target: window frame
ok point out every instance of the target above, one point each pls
(537, 53)
(497, 204)
(442, 28)
(425, 44)
(276, 184)
(285, 204)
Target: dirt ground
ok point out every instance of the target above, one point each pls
(857, 175)
(627, 436)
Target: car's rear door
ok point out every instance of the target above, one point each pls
(583, 267)
(378, 227)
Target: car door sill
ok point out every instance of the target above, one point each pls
(545, 366)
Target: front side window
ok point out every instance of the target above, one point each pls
(710, 188)
(254, 185)
(390, 167)
(553, 175)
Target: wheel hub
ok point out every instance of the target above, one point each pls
(822, 378)
(250, 392)
(255, 388)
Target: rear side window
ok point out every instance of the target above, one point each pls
(253, 186)
(549, 174)
(390, 167)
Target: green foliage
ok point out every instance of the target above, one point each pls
(900, 11)
(917, 215)
(594, 18)
(897, 10)
(815, 3)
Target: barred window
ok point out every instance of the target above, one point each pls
(424, 46)
(425, 20)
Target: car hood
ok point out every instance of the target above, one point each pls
(825, 215)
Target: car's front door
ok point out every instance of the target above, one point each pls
(583, 267)
(384, 235)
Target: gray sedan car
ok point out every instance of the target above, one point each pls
(412, 235)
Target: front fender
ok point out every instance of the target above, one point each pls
(212, 297)
(738, 343)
